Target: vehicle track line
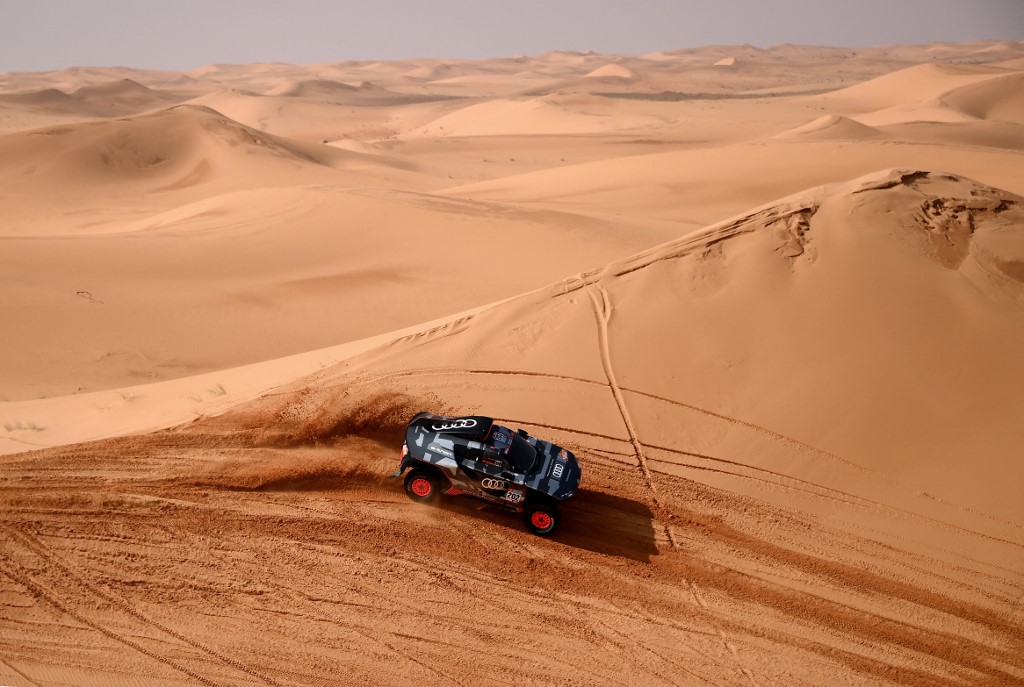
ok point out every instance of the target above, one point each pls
(626, 640)
(531, 423)
(852, 497)
(373, 637)
(664, 623)
(730, 647)
(602, 333)
(777, 436)
(603, 313)
(25, 677)
(20, 576)
(821, 452)
(830, 493)
(78, 576)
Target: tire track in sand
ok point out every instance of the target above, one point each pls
(20, 674)
(79, 577)
(22, 577)
(373, 636)
(760, 429)
(603, 312)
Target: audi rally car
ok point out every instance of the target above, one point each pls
(473, 456)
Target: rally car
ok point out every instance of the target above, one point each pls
(474, 456)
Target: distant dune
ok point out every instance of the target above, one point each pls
(312, 87)
(49, 100)
(834, 127)
(999, 98)
(611, 70)
(916, 84)
(166, 148)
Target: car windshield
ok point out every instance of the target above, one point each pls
(522, 455)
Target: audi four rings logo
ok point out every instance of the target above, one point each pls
(458, 424)
(556, 472)
(488, 483)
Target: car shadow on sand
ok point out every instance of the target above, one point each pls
(610, 525)
(595, 521)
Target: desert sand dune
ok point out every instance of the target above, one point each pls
(774, 306)
(313, 87)
(703, 185)
(559, 114)
(150, 153)
(50, 100)
(433, 71)
(74, 78)
(37, 109)
(55, 179)
(1012, 64)
(946, 109)
(616, 71)
(833, 127)
(329, 263)
(915, 84)
(965, 241)
(1004, 135)
(116, 90)
(1000, 98)
(366, 114)
(743, 515)
(108, 99)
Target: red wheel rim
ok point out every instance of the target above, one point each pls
(420, 486)
(540, 520)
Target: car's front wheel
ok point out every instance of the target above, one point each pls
(421, 485)
(541, 519)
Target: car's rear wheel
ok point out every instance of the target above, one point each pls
(541, 519)
(421, 485)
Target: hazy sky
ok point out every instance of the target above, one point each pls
(183, 34)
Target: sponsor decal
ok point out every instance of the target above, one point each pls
(488, 483)
(440, 449)
(556, 471)
(514, 495)
(466, 423)
(562, 455)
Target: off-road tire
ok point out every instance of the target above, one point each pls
(541, 518)
(422, 486)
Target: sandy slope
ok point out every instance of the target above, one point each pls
(202, 228)
(743, 521)
(796, 404)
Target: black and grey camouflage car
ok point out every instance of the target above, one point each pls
(473, 456)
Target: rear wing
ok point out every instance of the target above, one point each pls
(469, 427)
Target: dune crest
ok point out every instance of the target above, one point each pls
(613, 71)
(151, 149)
(834, 127)
(312, 88)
